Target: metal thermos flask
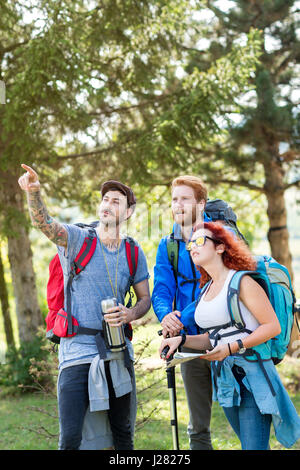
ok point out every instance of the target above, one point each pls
(114, 335)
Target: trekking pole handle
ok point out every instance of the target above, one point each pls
(165, 350)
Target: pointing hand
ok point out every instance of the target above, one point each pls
(29, 181)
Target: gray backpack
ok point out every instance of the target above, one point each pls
(217, 209)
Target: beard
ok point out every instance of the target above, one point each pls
(109, 220)
(186, 219)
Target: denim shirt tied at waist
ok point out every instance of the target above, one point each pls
(226, 391)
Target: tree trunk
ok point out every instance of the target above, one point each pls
(20, 258)
(5, 307)
(278, 234)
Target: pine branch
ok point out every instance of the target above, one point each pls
(14, 46)
(87, 154)
(95, 152)
(233, 183)
(293, 184)
(126, 109)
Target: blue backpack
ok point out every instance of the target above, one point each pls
(274, 278)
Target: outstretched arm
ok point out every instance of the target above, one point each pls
(55, 231)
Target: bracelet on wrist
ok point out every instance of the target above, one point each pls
(183, 339)
(230, 353)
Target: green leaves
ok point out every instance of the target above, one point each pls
(189, 119)
(100, 91)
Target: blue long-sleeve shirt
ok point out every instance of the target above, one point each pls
(164, 289)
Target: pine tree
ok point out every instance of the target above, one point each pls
(98, 70)
(262, 151)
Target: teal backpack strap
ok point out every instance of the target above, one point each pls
(202, 292)
(254, 352)
(234, 293)
(261, 352)
(233, 303)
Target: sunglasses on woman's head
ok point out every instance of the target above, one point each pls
(200, 241)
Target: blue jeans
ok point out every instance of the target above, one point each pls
(250, 425)
(74, 401)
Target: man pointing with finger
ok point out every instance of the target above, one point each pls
(81, 369)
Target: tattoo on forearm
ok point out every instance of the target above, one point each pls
(42, 220)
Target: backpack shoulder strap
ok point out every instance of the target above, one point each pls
(202, 292)
(172, 249)
(233, 295)
(77, 266)
(86, 252)
(233, 303)
(132, 255)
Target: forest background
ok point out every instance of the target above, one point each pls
(142, 92)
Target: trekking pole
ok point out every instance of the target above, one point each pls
(172, 398)
(173, 409)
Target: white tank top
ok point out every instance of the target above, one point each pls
(213, 313)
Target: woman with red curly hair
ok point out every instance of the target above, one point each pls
(240, 385)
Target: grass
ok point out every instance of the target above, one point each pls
(27, 421)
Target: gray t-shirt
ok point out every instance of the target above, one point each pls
(90, 287)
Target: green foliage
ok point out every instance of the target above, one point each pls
(187, 122)
(119, 88)
(16, 373)
(269, 115)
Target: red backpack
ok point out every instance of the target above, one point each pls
(61, 323)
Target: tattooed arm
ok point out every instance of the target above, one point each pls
(55, 231)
